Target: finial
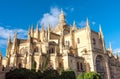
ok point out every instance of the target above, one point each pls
(87, 22)
(61, 11)
(100, 28)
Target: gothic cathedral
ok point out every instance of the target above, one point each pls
(63, 47)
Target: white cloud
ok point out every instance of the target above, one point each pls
(50, 18)
(4, 32)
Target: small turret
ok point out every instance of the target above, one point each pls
(74, 26)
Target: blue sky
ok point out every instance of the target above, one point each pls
(17, 15)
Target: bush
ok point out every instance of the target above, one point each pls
(50, 74)
(68, 75)
(21, 73)
(89, 75)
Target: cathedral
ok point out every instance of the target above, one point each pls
(63, 47)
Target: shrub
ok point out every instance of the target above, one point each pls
(89, 75)
(68, 75)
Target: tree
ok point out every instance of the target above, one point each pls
(89, 75)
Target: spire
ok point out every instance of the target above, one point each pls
(87, 24)
(110, 47)
(117, 54)
(9, 38)
(37, 28)
(100, 29)
(49, 28)
(32, 30)
(74, 26)
(15, 35)
(15, 40)
(29, 32)
(62, 17)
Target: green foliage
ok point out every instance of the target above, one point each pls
(89, 75)
(80, 76)
(50, 74)
(21, 73)
(68, 75)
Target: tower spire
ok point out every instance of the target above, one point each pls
(87, 24)
(29, 33)
(62, 17)
(100, 30)
(9, 38)
(110, 47)
(74, 26)
(32, 30)
(37, 28)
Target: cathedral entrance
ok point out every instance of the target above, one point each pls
(100, 66)
(19, 65)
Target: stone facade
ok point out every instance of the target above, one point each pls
(66, 47)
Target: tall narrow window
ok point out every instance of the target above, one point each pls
(81, 66)
(94, 41)
(78, 40)
(78, 66)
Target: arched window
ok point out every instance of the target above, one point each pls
(81, 66)
(78, 40)
(51, 50)
(36, 49)
(94, 41)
